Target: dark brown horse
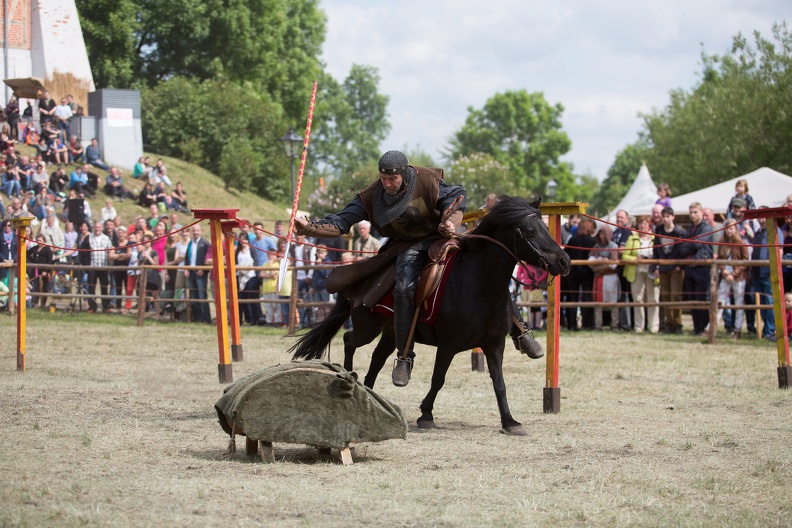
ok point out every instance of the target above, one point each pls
(475, 309)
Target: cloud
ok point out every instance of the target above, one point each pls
(603, 61)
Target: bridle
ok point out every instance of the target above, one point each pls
(513, 253)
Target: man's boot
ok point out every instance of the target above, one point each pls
(401, 371)
(525, 342)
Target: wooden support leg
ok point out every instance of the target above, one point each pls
(267, 452)
(251, 446)
(346, 456)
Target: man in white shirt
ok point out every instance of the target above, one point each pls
(63, 113)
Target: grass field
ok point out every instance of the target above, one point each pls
(113, 425)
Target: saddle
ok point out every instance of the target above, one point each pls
(431, 282)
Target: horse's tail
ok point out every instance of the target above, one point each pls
(313, 344)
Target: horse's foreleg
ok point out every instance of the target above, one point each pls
(494, 357)
(442, 362)
(349, 350)
(385, 347)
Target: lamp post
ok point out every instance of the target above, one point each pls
(291, 144)
(551, 188)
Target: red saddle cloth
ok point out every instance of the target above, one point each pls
(430, 307)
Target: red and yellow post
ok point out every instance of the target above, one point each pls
(233, 293)
(215, 217)
(551, 399)
(777, 284)
(21, 224)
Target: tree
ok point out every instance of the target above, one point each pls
(481, 174)
(350, 122)
(111, 32)
(523, 132)
(192, 120)
(735, 120)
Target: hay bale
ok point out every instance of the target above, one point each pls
(310, 402)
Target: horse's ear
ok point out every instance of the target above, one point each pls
(535, 202)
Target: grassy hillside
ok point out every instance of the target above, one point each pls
(204, 189)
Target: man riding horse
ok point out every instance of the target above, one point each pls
(407, 205)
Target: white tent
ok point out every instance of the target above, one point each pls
(766, 186)
(639, 199)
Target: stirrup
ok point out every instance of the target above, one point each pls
(527, 344)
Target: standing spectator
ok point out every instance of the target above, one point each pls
(8, 247)
(261, 245)
(657, 216)
(246, 284)
(740, 193)
(717, 227)
(319, 283)
(570, 227)
(760, 276)
(606, 279)
(620, 236)
(664, 195)
(53, 235)
(152, 281)
(131, 271)
(46, 108)
(641, 277)
(63, 114)
(581, 278)
(667, 246)
(40, 254)
(299, 253)
(697, 276)
(98, 243)
(12, 115)
(27, 114)
(286, 288)
(269, 289)
(365, 245)
(732, 276)
(108, 212)
(93, 155)
(198, 254)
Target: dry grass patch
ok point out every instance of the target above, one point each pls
(113, 425)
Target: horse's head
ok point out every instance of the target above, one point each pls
(531, 239)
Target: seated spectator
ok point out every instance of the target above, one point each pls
(45, 151)
(25, 171)
(147, 196)
(39, 203)
(108, 212)
(78, 181)
(48, 133)
(31, 135)
(93, 179)
(57, 183)
(76, 150)
(40, 179)
(114, 185)
(6, 140)
(9, 183)
(60, 151)
(179, 196)
(142, 169)
(93, 154)
(159, 176)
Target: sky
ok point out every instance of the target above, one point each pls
(605, 61)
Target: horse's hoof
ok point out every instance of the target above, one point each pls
(426, 424)
(514, 430)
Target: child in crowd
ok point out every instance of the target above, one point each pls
(664, 193)
(741, 193)
(788, 303)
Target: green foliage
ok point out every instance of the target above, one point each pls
(522, 131)
(481, 174)
(340, 191)
(621, 175)
(111, 32)
(193, 119)
(350, 122)
(734, 121)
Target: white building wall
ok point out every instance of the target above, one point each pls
(57, 41)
